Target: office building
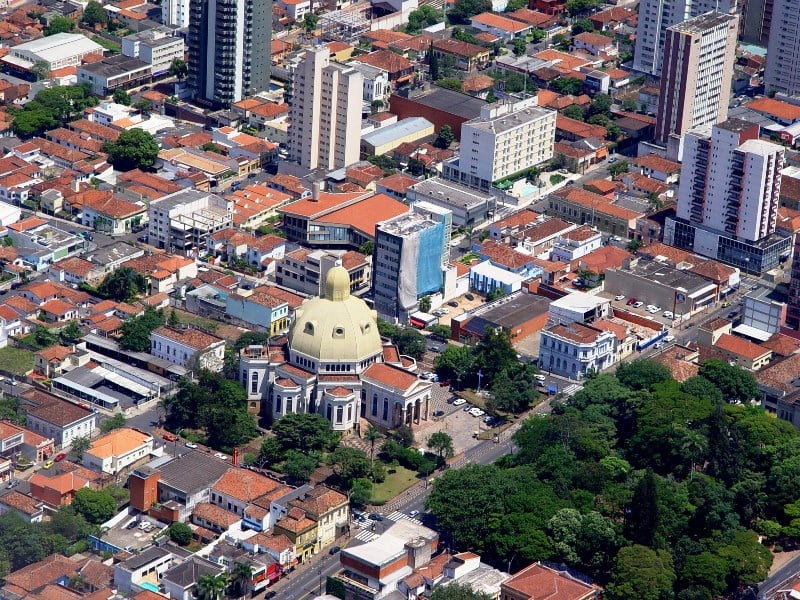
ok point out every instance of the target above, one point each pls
(575, 350)
(655, 16)
(696, 74)
(507, 138)
(229, 48)
(325, 112)
(729, 196)
(782, 70)
(181, 221)
(412, 253)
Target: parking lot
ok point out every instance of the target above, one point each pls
(134, 538)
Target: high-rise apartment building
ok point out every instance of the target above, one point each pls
(655, 16)
(229, 48)
(756, 21)
(782, 70)
(729, 196)
(175, 13)
(412, 254)
(793, 308)
(696, 74)
(507, 138)
(324, 113)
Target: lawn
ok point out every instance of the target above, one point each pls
(395, 483)
(16, 360)
(192, 319)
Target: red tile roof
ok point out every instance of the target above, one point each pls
(495, 21)
(741, 347)
(364, 215)
(391, 376)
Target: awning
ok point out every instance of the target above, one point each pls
(752, 332)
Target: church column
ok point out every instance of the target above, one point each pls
(427, 407)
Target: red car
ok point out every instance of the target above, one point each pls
(631, 302)
(170, 437)
(60, 456)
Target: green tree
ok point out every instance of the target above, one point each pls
(630, 105)
(514, 390)
(601, 105)
(211, 587)
(633, 246)
(442, 444)
(307, 432)
(577, 7)
(619, 168)
(80, 445)
(416, 167)
(251, 338)
(567, 85)
(700, 387)
(404, 436)
(433, 64)
(457, 591)
(367, 248)
(360, 491)
(310, 22)
(425, 304)
(464, 10)
(372, 435)
(642, 374)
(121, 97)
(425, 16)
(70, 332)
(299, 466)
(450, 83)
(410, 342)
(385, 162)
(440, 331)
(122, 285)
(67, 523)
(242, 577)
(643, 573)
(180, 533)
(59, 24)
(644, 517)
(444, 138)
(133, 149)
(41, 68)
(456, 363)
(736, 384)
(494, 354)
(136, 331)
(143, 106)
(348, 464)
(115, 422)
(94, 14)
(178, 69)
(589, 540)
(573, 111)
(96, 506)
(270, 452)
(519, 47)
(582, 26)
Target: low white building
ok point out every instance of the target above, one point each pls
(576, 244)
(486, 277)
(130, 572)
(376, 82)
(394, 397)
(58, 51)
(115, 72)
(579, 307)
(156, 47)
(575, 349)
(58, 419)
(118, 450)
(190, 348)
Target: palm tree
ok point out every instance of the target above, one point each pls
(372, 435)
(211, 587)
(242, 576)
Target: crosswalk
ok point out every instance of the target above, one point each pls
(367, 536)
(571, 389)
(397, 515)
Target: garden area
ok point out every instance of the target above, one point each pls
(17, 361)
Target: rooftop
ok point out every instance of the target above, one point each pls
(397, 131)
(449, 101)
(192, 472)
(576, 332)
(451, 193)
(703, 22)
(540, 582)
(194, 338)
(118, 443)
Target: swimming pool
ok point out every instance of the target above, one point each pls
(149, 586)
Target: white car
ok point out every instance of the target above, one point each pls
(539, 377)
(650, 308)
(477, 412)
(459, 402)
(638, 304)
(619, 297)
(669, 338)
(668, 314)
(220, 456)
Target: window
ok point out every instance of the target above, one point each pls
(375, 405)
(278, 405)
(385, 409)
(254, 382)
(339, 413)
(288, 405)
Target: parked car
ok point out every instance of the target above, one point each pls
(191, 445)
(376, 517)
(131, 525)
(669, 338)
(732, 315)
(12, 484)
(413, 513)
(142, 238)
(169, 437)
(631, 302)
(638, 304)
(438, 413)
(659, 346)
(459, 402)
(334, 550)
(60, 456)
(452, 303)
(539, 377)
(436, 349)
(619, 297)
(469, 297)
(668, 314)
(47, 464)
(220, 456)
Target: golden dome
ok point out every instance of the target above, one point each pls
(337, 327)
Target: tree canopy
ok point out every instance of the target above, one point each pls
(94, 14)
(133, 149)
(651, 487)
(136, 330)
(51, 108)
(122, 285)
